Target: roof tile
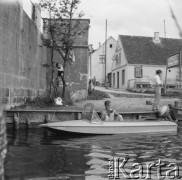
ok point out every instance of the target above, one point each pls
(143, 50)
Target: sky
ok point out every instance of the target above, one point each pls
(130, 17)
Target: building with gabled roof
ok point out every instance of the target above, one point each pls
(97, 58)
(137, 58)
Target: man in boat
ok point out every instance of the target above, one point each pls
(109, 114)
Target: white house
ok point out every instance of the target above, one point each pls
(97, 60)
(137, 58)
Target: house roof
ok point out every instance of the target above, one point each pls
(143, 50)
(103, 44)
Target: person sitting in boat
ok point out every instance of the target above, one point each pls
(167, 113)
(110, 114)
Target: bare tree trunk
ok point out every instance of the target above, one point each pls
(64, 87)
(63, 80)
(52, 72)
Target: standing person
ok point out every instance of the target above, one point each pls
(110, 114)
(94, 81)
(158, 85)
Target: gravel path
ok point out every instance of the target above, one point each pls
(126, 103)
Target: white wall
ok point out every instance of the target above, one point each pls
(119, 70)
(98, 69)
(172, 73)
(119, 49)
(149, 72)
(119, 67)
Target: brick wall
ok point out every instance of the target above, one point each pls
(21, 56)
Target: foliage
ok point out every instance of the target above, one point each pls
(97, 95)
(61, 30)
(42, 102)
(133, 95)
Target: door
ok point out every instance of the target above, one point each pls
(118, 80)
(109, 79)
(113, 79)
(123, 77)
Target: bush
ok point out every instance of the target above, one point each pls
(97, 95)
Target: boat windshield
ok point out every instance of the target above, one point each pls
(90, 114)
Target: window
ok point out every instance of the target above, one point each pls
(117, 59)
(120, 57)
(101, 59)
(110, 45)
(138, 72)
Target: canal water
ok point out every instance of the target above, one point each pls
(38, 154)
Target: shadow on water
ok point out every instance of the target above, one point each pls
(40, 153)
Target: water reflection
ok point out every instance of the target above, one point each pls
(35, 154)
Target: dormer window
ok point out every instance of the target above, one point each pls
(110, 45)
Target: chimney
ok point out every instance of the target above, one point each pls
(99, 44)
(156, 37)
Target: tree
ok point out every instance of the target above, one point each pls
(61, 30)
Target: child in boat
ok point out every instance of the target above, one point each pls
(110, 114)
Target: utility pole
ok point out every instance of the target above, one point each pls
(106, 54)
(164, 29)
(180, 58)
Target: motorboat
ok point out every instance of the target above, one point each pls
(92, 124)
(85, 126)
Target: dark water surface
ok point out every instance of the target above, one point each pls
(38, 153)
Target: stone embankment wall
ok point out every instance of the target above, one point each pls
(21, 56)
(3, 144)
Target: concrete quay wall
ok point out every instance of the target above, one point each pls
(32, 118)
(21, 56)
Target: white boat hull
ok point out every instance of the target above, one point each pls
(86, 127)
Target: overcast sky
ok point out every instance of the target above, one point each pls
(130, 17)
